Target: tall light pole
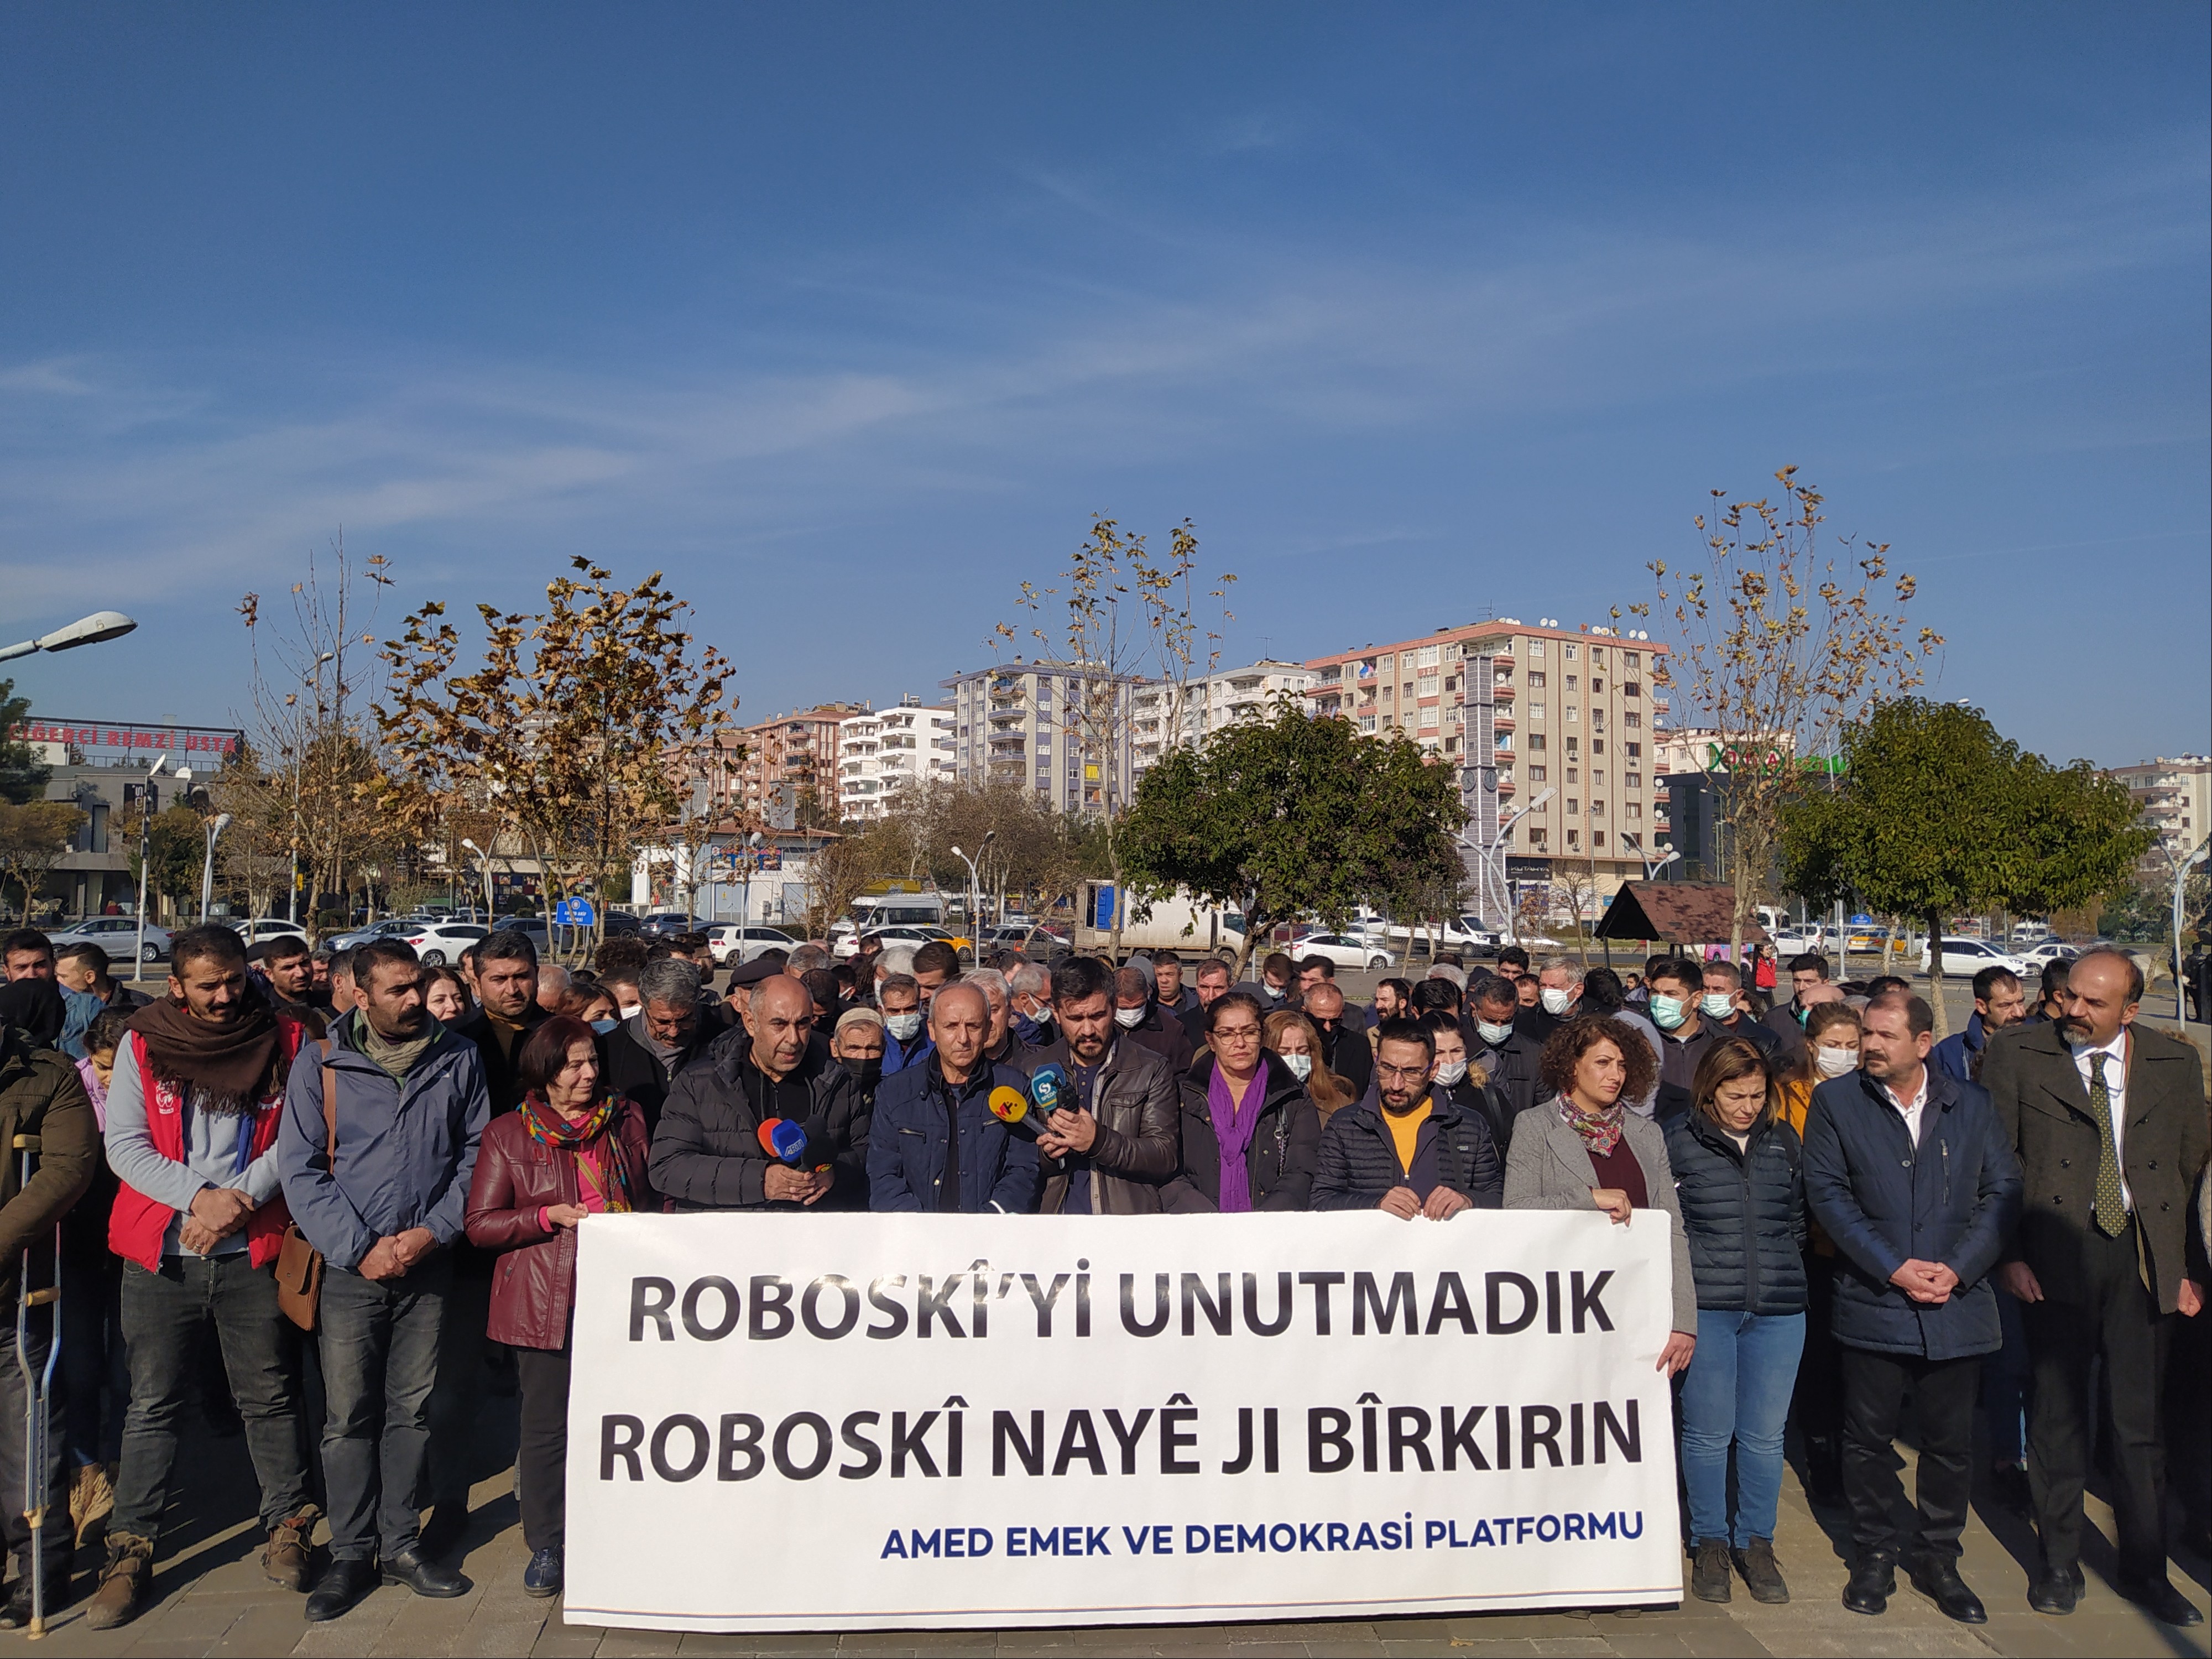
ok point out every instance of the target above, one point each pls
(748, 856)
(145, 857)
(486, 857)
(1494, 859)
(299, 764)
(975, 893)
(215, 827)
(1653, 866)
(88, 630)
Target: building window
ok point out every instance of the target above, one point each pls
(1597, 841)
(1538, 774)
(1535, 679)
(1636, 751)
(1632, 688)
(1597, 719)
(1574, 840)
(1572, 682)
(1367, 722)
(1597, 807)
(1573, 713)
(1504, 744)
(1597, 686)
(1633, 721)
(1539, 836)
(1536, 742)
(1429, 717)
(1632, 780)
(1634, 809)
(1427, 659)
(1574, 807)
(1428, 683)
(1571, 745)
(1632, 660)
(1535, 710)
(1572, 648)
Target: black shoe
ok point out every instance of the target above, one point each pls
(443, 1530)
(2056, 1590)
(343, 1584)
(1761, 1577)
(16, 1615)
(1708, 1573)
(2162, 1603)
(425, 1576)
(1874, 1581)
(542, 1578)
(1937, 1577)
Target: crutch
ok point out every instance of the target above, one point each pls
(37, 1392)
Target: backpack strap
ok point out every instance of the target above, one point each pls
(330, 1107)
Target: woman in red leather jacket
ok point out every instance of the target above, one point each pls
(571, 1150)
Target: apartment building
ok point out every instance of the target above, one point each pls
(2175, 795)
(1163, 716)
(799, 749)
(881, 752)
(1022, 723)
(1561, 722)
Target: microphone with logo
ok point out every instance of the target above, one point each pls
(787, 1142)
(1048, 1091)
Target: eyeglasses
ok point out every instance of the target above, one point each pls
(1401, 1073)
(1236, 1034)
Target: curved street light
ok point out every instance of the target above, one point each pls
(86, 630)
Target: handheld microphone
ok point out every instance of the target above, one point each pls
(1008, 1105)
(1048, 1088)
(782, 1140)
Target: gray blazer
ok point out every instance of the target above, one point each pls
(1549, 1169)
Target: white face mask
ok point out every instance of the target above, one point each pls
(1450, 1072)
(1301, 1066)
(904, 1027)
(1128, 1018)
(1555, 1001)
(1718, 1004)
(1667, 1012)
(1492, 1034)
(1834, 1062)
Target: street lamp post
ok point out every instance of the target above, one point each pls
(298, 762)
(748, 856)
(1653, 866)
(88, 630)
(145, 857)
(215, 827)
(975, 893)
(1494, 858)
(486, 857)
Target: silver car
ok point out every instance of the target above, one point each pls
(117, 936)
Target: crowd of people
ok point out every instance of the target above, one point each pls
(337, 1192)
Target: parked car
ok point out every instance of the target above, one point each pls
(439, 942)
(1343, 950)
(390, 927)
(117, 936)
(264, 928)
(661, 924)
(1964, 957)
(1036, 939)
(731, 944)
(2052, 949)
(915, 934)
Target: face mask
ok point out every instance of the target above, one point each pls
(1554, 1001)
(1492, 1035)
(1301, 1066)
(865, 1073)
(1668, 1012)
(1275, 993)
(632, 1012)
(1128, 1018)
(1717, 1005)
(904, 1027)
(1834, 1062)
(603, 1026)
(1803, 1014)
(1450, 1072)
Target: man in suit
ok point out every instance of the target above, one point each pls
(2108, 1117)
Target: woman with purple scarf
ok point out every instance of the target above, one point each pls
(1251, 1134)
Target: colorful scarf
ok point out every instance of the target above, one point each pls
(1601, 1133)
(599, 1165)
(1233, 1129)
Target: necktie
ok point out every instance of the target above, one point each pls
(2112, 1202)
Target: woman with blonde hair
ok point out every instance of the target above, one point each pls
(1739, 1178)
(1289, 1034)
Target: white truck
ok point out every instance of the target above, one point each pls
(1177, 923)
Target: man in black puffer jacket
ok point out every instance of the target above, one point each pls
(1401, 1149)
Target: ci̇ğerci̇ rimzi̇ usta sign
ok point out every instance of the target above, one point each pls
(835, 1422)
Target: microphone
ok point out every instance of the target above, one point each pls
(782, 1140)
(1048, 1088)
(1007, 1104)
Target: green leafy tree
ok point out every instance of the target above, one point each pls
(35, 837)
(177, 845)
(22, 774)
(1288, 816)
(1938, 816)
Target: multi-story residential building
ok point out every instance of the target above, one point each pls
(880, 752)
(1023, 723)
(799, 749)
(1524, 711)
(1162, 716)
(2175, 795)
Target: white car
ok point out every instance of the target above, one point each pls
(266, 927)
(729, 944)
(437, 943)
(1964, 957)
(117, 936)
(1342, 948)
(2037, 956)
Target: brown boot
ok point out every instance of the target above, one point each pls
(290, 1541)
(121, 1593)
(91, 1499)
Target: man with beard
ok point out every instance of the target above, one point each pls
(381, 1121)
(667, 1032)
(1118, 1143)
(193, 1111)
(1404, 1150)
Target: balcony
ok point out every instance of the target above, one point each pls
(1502, 692)
(1506, 785)
(1502, 720)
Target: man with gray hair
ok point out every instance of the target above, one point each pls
(642, 1057)
(556, 988)
(1559, 989)
(999, 1044)
(1030, 988)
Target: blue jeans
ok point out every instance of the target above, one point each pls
(379, 1347)
(1737, 1389)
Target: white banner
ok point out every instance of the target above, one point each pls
(839, 1422)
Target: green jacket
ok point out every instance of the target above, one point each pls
(41, 1095)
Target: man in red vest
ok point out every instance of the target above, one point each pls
(193, 1112)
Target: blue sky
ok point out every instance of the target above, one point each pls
(848, 317)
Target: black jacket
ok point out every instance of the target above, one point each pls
(498, 1066)
(1163, 1034)
(1512, 1066)
(1743, 1213)
(631, 1069)
(1360, 1162)
(1347, 1053)
(706, 1153)
(1279, 1160)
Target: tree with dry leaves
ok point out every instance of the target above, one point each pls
(1780, 653)
(568, 734)
(33, 838)
(1109, 651)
